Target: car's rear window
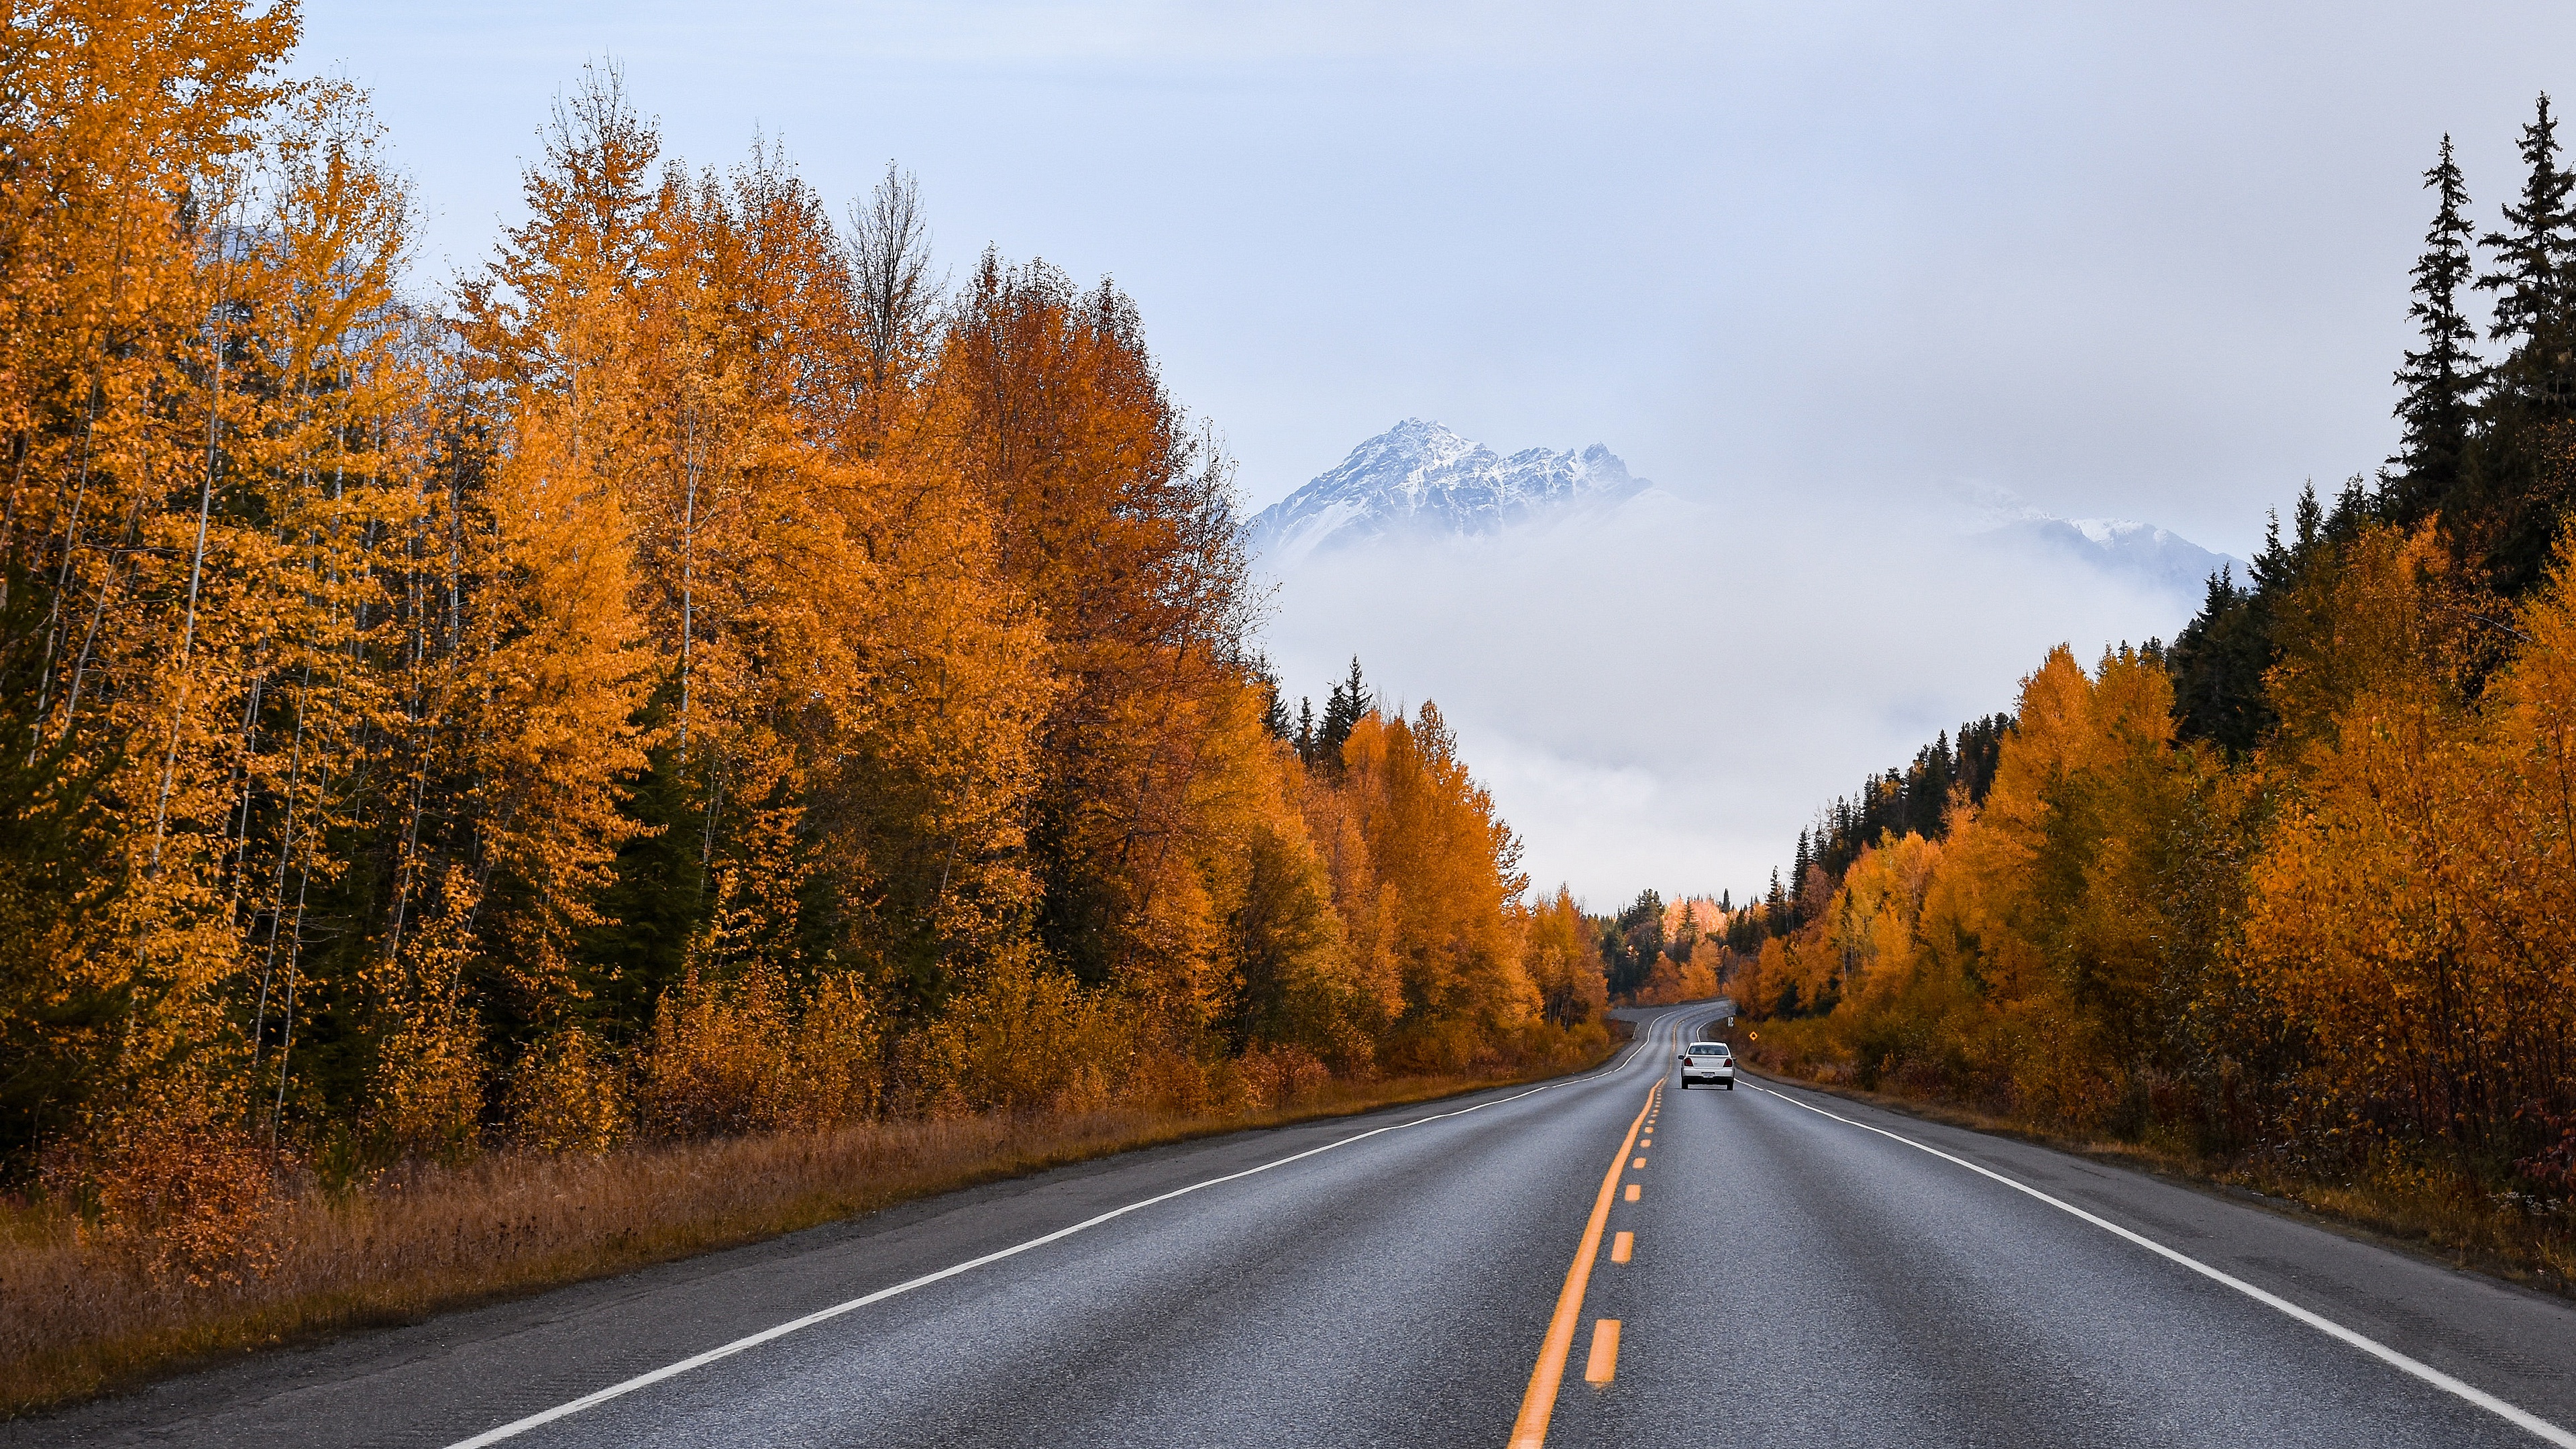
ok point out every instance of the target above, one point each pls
(1708, 1048)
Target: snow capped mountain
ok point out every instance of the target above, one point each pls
(2114, 545)
(1421, 480)
(1419, 477)
(2119, 546)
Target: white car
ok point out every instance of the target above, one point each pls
(1710, 1062)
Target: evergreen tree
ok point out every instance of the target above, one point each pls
(2309, 517)
(2441, 380)
(1981, 748)
(2515, 487)
(2530, 280)
(1927, 789)
(1348, 704)
(1631, 943)
(1306, 729)
(2273, 568)
(1274, 705)
(2217, 663)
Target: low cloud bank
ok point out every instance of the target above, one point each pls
(1663, 695)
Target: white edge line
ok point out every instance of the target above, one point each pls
(517, 1427)
(2518, 1417)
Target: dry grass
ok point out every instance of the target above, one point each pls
(2420, 1207)
(76, 1321)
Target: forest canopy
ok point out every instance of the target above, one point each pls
(704, 672)
(2294, 890)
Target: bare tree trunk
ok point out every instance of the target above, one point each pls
(196, 576)
(285, 848)
(89, 635)
(688, 579)
(63, 575)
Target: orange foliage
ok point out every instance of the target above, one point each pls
(687, 682)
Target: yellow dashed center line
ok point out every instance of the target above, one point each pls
(1605, 1352)
(1621, 1246)
(1632, 1192)
(1529, 1431)
(1640, 1162)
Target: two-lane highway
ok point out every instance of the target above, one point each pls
(1802, 1279)
(1604, 1259)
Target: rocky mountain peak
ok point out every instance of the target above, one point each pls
(1421, 477)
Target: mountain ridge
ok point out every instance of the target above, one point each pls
(1422, 477)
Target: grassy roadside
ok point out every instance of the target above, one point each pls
(76, 1322)
(2429, 1215)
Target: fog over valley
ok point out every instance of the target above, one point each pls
(1662, 681)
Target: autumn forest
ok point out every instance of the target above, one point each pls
(712, 671)
(718, 717)
(2293, 895)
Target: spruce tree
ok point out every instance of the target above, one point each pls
(2530, 280)
(1274, 705)
(2218, 660)
(2514, 491)
(2441, 380)
(2275, 567)
(1927, 794)
(1347, 705)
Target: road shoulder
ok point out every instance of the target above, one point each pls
(2513, 1341)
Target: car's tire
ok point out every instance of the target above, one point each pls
(1685, 1084)
(1730, 1086)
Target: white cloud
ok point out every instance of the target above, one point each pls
(1665, 696)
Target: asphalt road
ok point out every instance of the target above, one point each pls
(1787, 1276)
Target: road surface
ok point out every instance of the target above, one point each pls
(1781, 1267)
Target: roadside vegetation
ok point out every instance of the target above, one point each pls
(710, 715)
(2293, 900)
(426, 1237)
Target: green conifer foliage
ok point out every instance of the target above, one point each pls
(2441, 380)
(2531, 278)
(1347, 705)
(1632, 942)
(2517, 482)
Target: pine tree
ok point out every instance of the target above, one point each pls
(2440, 381)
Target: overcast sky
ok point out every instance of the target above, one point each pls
(1809, 262)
